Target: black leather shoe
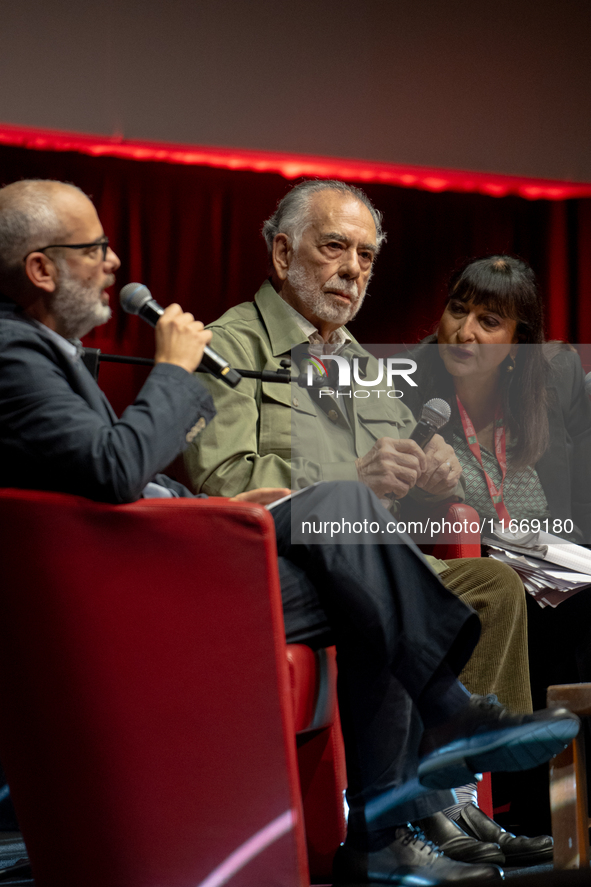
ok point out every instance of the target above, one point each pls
(19, 873)
(485, 736)
(407, 860)
(518, 850)
(12, 847)
(455, 843)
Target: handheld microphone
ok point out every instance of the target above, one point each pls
(136, 298)
(434, 415)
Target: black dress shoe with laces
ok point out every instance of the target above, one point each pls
(517, 849)
(406, 860)
(485, 736)
(455, 843)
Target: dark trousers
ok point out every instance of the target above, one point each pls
(393, 623)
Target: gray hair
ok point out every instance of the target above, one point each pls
(293, 213)
(28, 221)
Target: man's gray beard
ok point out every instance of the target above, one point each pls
(76, 306)
(321, 304)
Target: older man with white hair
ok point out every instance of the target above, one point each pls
(322, 241)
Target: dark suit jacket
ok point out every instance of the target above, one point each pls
(565, 468)
(59, 432)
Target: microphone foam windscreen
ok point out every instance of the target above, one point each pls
(134, 296)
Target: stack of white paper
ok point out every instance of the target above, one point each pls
(551, 569)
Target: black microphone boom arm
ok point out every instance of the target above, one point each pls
(92, 357)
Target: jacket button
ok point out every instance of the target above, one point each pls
(333, 415)
(295, 402)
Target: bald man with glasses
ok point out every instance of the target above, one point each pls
(55, 267)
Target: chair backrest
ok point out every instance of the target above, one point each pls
(142, 667)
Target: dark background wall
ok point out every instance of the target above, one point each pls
(499, 87)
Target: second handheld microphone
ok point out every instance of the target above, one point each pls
(434, 415)
(136, 298)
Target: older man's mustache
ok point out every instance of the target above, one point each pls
(347, 287)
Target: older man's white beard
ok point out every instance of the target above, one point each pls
(77, 305)
(320, 303)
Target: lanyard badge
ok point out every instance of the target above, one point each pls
(500, 439)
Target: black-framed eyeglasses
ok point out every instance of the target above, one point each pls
(103, 244)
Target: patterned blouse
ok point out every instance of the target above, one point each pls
(522, 493)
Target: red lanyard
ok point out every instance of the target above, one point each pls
(500, 452)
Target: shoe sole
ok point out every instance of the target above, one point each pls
(529, 859)
(518, 748)
(484, 857)
(419, 876)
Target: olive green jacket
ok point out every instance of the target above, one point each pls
(268, 434)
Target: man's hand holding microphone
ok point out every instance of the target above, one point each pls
(180, 339)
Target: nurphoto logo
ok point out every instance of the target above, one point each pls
(386, 371)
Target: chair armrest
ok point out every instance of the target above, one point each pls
(446, 530)
(313, 681)
(462, 537)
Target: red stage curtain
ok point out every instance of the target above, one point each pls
(191, 234)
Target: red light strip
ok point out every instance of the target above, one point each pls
(292, 166)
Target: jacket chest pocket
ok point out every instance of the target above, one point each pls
(378, 420)
(281, 405)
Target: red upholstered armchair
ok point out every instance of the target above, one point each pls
(145, 724)
(147, 713)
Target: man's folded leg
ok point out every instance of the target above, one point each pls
(382, 730)
(381, 725)
(387, 608)
(375, 588)
(401, 639)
